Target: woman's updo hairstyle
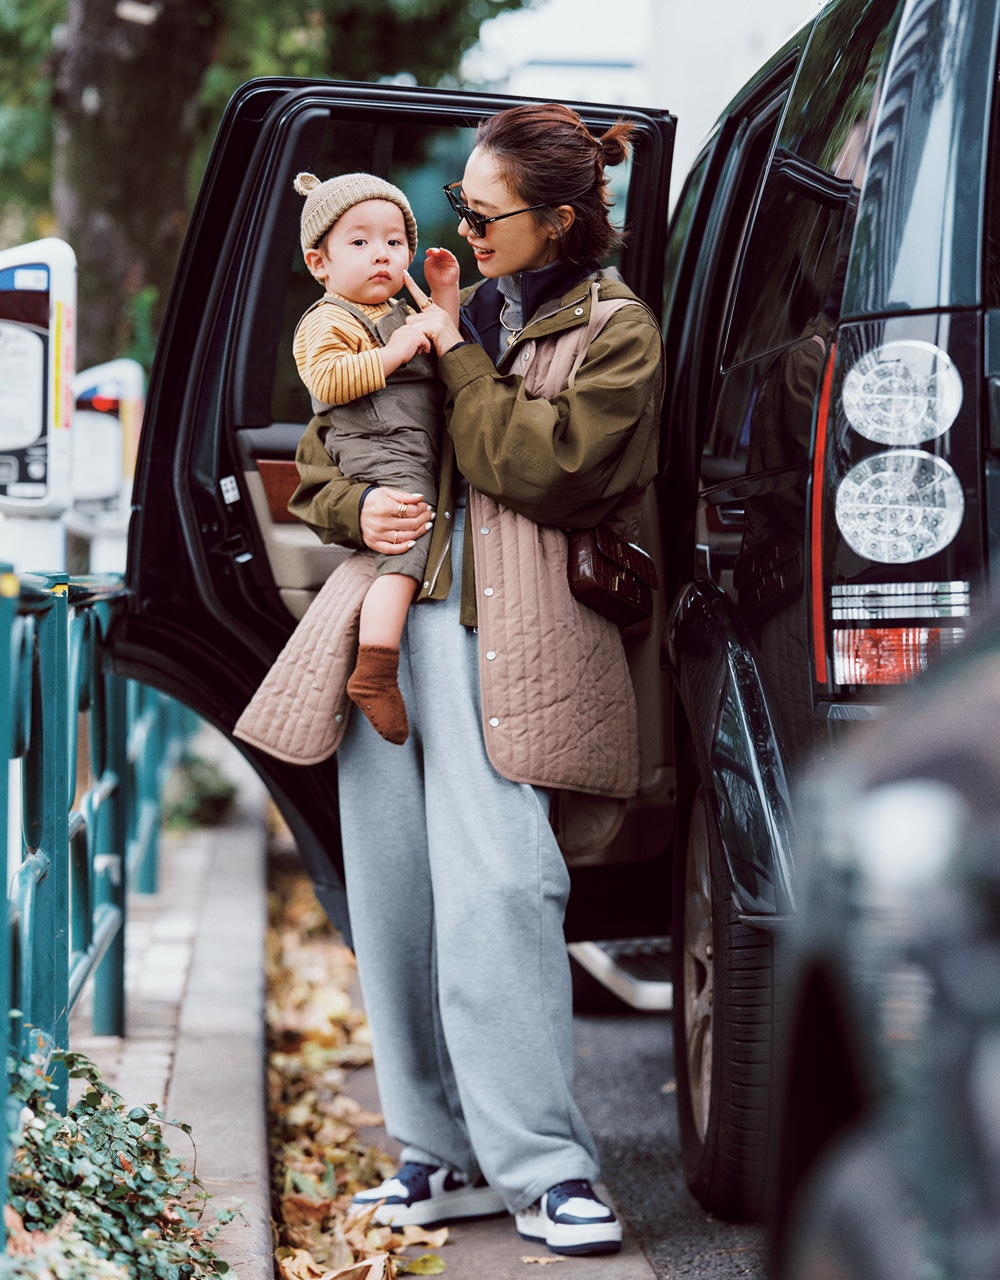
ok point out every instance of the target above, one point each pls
(547, 155)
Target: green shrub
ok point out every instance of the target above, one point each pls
(98, 1192)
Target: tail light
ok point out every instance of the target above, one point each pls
(887, 655)
(899, 506)
(895, 545)
(902, 393)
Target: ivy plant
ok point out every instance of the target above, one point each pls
(97, 1190)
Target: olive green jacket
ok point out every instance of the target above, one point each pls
(570, 461)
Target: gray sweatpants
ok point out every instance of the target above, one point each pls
(457, 891)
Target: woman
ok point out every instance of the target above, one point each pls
(456, 884)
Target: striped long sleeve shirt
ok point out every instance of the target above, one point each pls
(335, 355)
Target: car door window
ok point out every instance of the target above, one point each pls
(789, 273)
(785, 304)
(724, 444)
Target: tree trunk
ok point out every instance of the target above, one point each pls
(126, 113)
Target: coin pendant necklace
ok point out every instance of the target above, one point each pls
(512, 334)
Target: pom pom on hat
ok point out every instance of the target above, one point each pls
(327, 201)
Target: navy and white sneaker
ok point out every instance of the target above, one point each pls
(425, 1195)
(569, 1218)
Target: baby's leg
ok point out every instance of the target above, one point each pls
(383, 610)
(374, 685)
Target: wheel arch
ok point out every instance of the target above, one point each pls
(723, 708)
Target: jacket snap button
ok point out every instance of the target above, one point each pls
(447, 515)
(485, 529)
(490, 656)
(487, 591)
(339, 716)
(494, 721)
(578, 311)
(426, 585)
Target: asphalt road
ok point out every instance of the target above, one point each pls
(623, 1062)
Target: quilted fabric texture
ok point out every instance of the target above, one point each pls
(299, 712)
(558, 705)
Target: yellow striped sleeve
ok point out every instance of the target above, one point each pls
(336, 357)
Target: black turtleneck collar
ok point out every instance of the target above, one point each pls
(546, 284)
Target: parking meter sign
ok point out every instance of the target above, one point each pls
(37, 361)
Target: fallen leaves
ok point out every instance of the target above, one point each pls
(318, 1161)
(542, 1262)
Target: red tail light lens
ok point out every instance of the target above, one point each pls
(888, 655)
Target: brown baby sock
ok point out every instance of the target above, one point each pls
(374, 688)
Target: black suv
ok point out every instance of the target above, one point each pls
(823, 514)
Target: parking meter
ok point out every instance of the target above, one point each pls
(37, 361)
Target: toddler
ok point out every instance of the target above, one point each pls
(371, 379)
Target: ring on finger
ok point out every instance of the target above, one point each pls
(395, 536)
(402, 511)
(426, 303)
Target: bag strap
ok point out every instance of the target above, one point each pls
(600, 313)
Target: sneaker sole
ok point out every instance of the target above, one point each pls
(578, 1240)
(476, 1202)
(596, 1249)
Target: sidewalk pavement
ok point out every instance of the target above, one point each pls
(194, 1042)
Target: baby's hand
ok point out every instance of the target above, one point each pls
(441, 271)
(403, 345)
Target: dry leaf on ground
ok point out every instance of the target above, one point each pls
(428, 1264)
(542, 1262)
(379, 1268)
(318, 1160)
(298, 1264)
(420, 1235)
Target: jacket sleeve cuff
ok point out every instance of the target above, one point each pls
(464, 364)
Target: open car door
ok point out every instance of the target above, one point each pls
(218, 571)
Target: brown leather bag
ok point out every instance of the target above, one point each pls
(613, 576)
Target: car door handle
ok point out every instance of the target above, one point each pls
(235, 546)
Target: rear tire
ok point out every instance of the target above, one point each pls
(724, 1006)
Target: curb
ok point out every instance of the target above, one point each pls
(218, 1081)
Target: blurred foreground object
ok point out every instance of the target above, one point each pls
(889, 1154)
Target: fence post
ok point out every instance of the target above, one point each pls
(9, 591)
(45, 949)
(111, 861)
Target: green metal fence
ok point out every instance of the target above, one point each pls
(92, 752)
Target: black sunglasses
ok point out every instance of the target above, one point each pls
(476, 220)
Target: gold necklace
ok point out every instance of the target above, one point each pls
(514, 333)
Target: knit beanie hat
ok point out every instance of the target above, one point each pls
(326, 201)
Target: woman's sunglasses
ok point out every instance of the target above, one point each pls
(476, 221)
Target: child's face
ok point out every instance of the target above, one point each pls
(364, 254)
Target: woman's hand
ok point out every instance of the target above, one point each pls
(402, 346)
(392, 520)
(433, 320)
